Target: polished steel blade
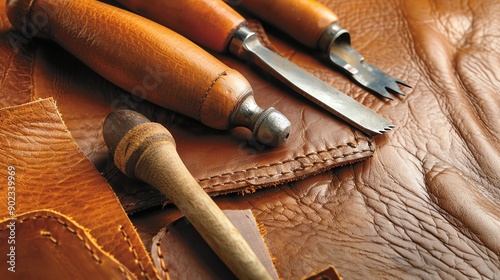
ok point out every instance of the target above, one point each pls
(246, 45)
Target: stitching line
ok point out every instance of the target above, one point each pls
(205, 94)
(159, 251)
(304, 166)
(283, 173)
(134, 252)
(66, 226)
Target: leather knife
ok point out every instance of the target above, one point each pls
(215, 25)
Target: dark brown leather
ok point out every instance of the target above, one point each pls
(67, 219)
(426, 205)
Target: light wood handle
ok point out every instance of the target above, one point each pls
(147, 151)
(304, 20)
(138, 55)
(210, 23)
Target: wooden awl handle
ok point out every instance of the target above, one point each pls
(210, 23)
(304, 20)
(152, 62)
(146, 151)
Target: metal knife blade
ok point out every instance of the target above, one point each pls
(246, 44)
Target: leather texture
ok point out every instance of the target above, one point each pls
(67, 220)
(426, 205)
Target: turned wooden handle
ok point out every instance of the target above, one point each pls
(206, 22)
(138, 55)
(304, 20)
(147, 151)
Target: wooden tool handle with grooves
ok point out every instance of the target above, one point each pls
(146, 151)
(210, 23)
(304, 20)
(140, 56)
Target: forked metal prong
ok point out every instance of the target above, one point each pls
(374, 80)
(337, 41)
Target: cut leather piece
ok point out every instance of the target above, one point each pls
(328, 274)
(179, 246)
(52, 173)
(49, 245)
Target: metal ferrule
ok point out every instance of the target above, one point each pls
(333, 34)
(239, 43)
(269, 127)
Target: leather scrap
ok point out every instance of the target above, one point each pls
(53, 174)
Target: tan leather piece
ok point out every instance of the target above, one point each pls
(16, 65)
(329, 273)
(49, 245)
(52, 173)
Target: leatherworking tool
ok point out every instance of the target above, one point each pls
(215, 25)
(152, 62)
(316, 26)
(146, 151)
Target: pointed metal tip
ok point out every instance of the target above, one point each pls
(381, 129)
(395, 89)
(403, 83)
(382, 91)
(386, 129)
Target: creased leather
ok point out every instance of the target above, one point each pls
(52, 173)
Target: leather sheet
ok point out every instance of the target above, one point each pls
(58, 214)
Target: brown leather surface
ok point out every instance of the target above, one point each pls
(426, 205)
(49, 172)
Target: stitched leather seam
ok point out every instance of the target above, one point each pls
(66, 226)
(134, 252)
(290, 160)
(159, 251)
(205, 94)
(283, 173)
